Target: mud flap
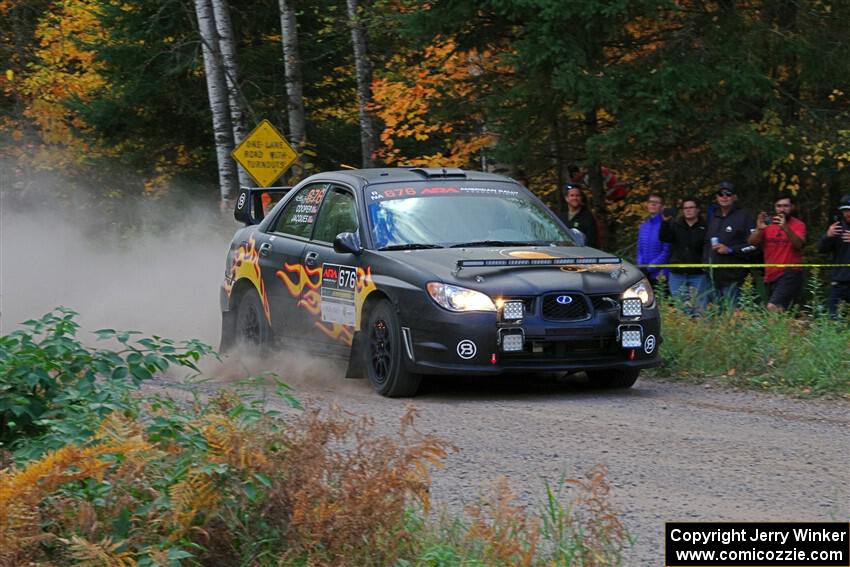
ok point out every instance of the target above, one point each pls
(355, 359)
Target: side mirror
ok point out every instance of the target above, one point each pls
(578, 236)
(347, 242)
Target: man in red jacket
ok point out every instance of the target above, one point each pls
(781, 236)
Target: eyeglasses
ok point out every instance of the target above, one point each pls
(690, 207)
(654, 202)
(725, 194)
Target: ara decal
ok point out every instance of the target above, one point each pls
(246, 264)
(305, 283)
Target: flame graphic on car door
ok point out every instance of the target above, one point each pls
(246, 264)
(305, 282)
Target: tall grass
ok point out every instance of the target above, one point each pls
(800, 352)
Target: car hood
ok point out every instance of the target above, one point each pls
(610, 275)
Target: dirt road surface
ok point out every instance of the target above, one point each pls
(674, 451)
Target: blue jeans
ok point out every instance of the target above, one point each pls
(690, 287)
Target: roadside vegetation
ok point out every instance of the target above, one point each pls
(801, 352)
(94, 473)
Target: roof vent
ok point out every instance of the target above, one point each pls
(440, 172)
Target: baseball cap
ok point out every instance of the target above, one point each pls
(726, 187)
(844, 203)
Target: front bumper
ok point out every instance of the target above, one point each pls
(441, 342)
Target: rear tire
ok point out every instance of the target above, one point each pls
(253, 335)
(383, 355)
(614, 378)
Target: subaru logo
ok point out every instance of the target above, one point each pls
(564, 299)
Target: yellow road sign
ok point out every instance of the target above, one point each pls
(265, 154)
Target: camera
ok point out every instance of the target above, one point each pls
(768, 219)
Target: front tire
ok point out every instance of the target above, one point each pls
(614, 378)
(383, 355)
(252, 333)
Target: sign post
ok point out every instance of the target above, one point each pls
(264, 154)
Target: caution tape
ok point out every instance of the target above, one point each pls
(714, 266)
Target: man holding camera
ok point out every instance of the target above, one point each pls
(837, 241)
(781, 237)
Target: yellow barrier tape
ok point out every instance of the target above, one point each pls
(743, 265)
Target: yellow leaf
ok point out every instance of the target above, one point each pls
(10, 75)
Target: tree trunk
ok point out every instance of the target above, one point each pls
(227, 45)
(217, 92)
(363, 68)
(292, 70)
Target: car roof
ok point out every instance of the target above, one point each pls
(380, 175)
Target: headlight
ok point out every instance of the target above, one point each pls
(643, 291)
(456, 298)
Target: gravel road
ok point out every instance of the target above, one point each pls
(674, 451)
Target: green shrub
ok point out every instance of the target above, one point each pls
(800, 352)
(54, 390)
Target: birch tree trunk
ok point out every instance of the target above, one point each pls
(292, 71)
(368, 139)
(236, 102)
(217, 92)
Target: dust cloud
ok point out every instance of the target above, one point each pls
(147, 265)
(145, 277)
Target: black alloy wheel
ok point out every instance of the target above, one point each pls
(253, 335)
(384, 355)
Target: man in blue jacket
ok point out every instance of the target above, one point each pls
(650, 250)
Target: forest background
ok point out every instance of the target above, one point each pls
(670, 96)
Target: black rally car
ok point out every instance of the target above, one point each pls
(416, 271)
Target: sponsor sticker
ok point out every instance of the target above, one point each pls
(466, 349)
(649, 344)
(338, 294)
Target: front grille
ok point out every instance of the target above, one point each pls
(566, 351)
(576, 309)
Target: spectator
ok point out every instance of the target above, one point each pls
(781, 237)
(578, 215)
(726, 243)
(837, 241)
(650, 250)
(686, 236)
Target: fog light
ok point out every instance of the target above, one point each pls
(631, 338)
(632, 307)
(512, 311)
(512, 342)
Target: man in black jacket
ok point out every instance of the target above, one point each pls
(726, 243)
(837, 241)
(686, 236)
(578, 215)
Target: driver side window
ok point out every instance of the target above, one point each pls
(338, 214)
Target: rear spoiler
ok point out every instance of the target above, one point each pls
(249, 203)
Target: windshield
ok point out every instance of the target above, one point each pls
(463, 220)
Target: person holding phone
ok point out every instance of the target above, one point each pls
(781, 236)
(837, 241)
